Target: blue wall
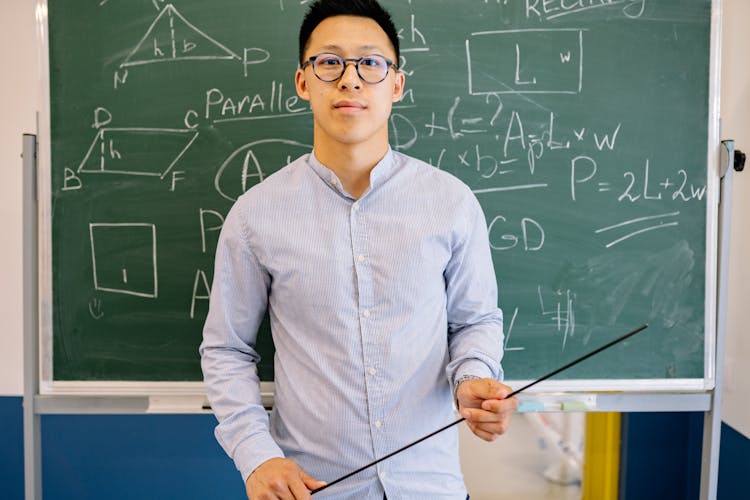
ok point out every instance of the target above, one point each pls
(120, 456)
(11, 448)
(661, 458)
(734, 464)
(135, 456)
(176, 456)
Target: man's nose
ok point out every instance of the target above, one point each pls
(350, 79)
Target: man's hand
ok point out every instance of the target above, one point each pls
(280, 478)
(482, 403)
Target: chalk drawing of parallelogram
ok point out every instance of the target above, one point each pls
(136, 151)
(171, 37)
(123, 256)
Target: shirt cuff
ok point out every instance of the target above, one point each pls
(253, 451)
(472, 368)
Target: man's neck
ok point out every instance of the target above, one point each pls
(352, 164)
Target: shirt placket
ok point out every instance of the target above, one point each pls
(368, 319)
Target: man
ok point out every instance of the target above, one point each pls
(376, 272)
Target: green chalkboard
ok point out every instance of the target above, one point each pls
(582, 127)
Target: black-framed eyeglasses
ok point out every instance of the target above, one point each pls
(329, 67)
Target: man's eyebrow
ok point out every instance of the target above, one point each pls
(361, 47)
(369, 47)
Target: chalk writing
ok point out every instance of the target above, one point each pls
(111, 263)
(95, 309)
(488, 54)
(219, 108)
(553, 9)
(245, 167)
(171, 37)
(565, 119)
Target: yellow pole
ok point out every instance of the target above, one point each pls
(601, 469)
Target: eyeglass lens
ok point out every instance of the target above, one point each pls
(330, 67)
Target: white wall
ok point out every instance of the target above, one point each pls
(735, 114)
(19, 84)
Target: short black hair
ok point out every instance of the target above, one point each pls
(321, 10)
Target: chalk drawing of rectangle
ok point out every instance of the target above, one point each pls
(529, 61)
(124, 258)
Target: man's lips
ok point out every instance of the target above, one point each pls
(349, 105)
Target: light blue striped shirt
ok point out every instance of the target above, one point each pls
(377, 306)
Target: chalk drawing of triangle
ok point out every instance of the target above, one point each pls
(171, 37)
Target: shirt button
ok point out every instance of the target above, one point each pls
(378, 424)
(372, 371)
(382, 475)
(366, 313)
(355, 207)
(361, 258)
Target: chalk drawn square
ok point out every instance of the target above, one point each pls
(124, 258)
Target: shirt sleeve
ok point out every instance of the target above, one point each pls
(475, 322)
(239, 297)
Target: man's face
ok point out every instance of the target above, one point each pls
(349, 110)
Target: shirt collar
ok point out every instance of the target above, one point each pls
(380, 173)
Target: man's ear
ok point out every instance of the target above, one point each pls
(398, 86)
(300, 82)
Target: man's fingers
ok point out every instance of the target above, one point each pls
(275, 492)
(492, 418)
(494, 428)
(476, 416)
(280, 479)
(500, 405)
(282, 491)
(310, 482)
(491, 411)
(487, 388)
(481, 433)
(299, 490)
(489, 415)
(486, 424)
